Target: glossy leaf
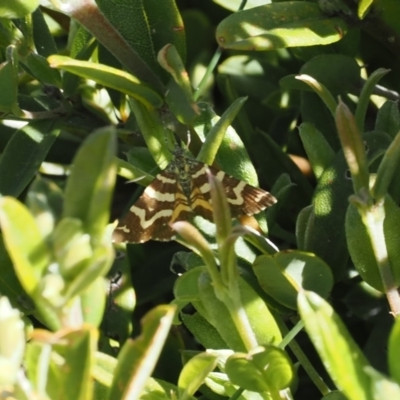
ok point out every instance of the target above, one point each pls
(170, 60)
(89, 187)
(216, 134)
(278, 25)
(110, 77)
(319, 152)
(138, 357)
(325, 236)
(341, 356)
(284, 274)
(24, 153)
(353, 147)
(24, 243)
(41, 70)
(360, 243)
(153, 132)
(264, 369)
(194, 373)
(265, 329)
(70, 380)
(147, 26)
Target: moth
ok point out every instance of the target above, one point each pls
(180, 192)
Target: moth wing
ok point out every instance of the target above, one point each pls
(243, 199)
(161, 203)
(200, 198)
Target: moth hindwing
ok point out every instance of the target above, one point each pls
(179, 193)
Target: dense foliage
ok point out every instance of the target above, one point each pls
(297, 97)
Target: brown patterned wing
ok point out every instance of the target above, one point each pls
(200, 198)
(243, 198)
(162, 203)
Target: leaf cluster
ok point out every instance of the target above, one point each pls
(288, 95)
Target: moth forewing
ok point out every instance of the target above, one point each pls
(179, 193)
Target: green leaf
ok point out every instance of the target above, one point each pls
(353, 147)
(215, 135)
(44, 41)
(40, 69)
(93, 268)
(284, 274)
(147, 26)
(45, 201)
(70, 379)
(93, 302)
(338, 351)
(364, 7)
(179, 96)
(361, 248)
(393, 351)
(10, 285)
(337, 72)
(8, 87)
(203, 331)
(138, 357)
(303, 222)
(12, 343)
(319, 152)
(260, 318)
(17, 8)
(89, 187)
(171, 29)
(325, 234)
(103, 370)
(365, 96)
(24, 243)
(153, 131)
(279, 25)
(180, 104)
(388, 118)
(158, 390)
(170, 60)
(381, 386)
(264, 369)
(194, 373)
(71, 247)
(387, 170)
(334, 395)
(24, 153)
(110, 77)
(186, 290)
(233, 5)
